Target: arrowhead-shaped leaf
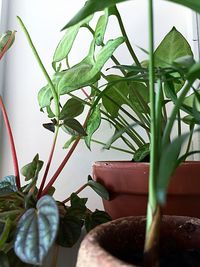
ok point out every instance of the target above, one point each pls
(66, 43)
(93, 124)
(87, 71)
(172, 47)
(36, 231)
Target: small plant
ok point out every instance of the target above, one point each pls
(30, 219)
(146, 88)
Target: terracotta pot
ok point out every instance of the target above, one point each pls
(120, 243)
(127, 183)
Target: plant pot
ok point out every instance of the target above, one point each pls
(127, 183)
(120, 243)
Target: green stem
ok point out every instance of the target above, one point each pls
(172, 118)
(46, 75)
(113, 147)
(129, 46)
(190, 138)
(153, 151)
(179, 123)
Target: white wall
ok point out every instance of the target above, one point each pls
(23, 79)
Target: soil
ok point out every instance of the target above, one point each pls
(187, 258)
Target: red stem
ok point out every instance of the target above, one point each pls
(86, 94)
(67, 157)
(48, 164)
(7, 45)
(12, 144)
(77, 192)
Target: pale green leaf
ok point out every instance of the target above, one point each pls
(93, 124)
(66, 43)
(172, 47)
(87, 71)
(101, 28)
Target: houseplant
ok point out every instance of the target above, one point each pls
(123, 101)
(165, 155)
(31, 220)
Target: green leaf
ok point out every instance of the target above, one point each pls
(36, 231)
(45, 95)
(69, 231)
(101, 28)
(194, 72)
(66, 43)
(71, 109)
(4, 232)
(193, 4)
(98, 188)
(75, 126)
(77, 201)
(111, 98)
(69, 142)
(191, 99)
(168, 164)
(8, 185)
(96, 218)
(31, 170)
(93, 124)
(4, 260)
(172, 47)
(188, 119)
(142, 153)
(91, 7)
(184, 62)
(87, 71)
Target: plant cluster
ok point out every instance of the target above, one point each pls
(31, 221)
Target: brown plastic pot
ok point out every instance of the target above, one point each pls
(120, 243)
(127, 183)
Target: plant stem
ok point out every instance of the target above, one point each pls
(129, 46)
(46, 75)
(77, 192)
(65, 160)
(190, 138)
(153, 211)
(113, 147)
(48, 163)
(172, 118)
(153, 152)
(12, 144)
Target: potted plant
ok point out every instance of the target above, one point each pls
(162, 83)
(124, 102)
(31, 220)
